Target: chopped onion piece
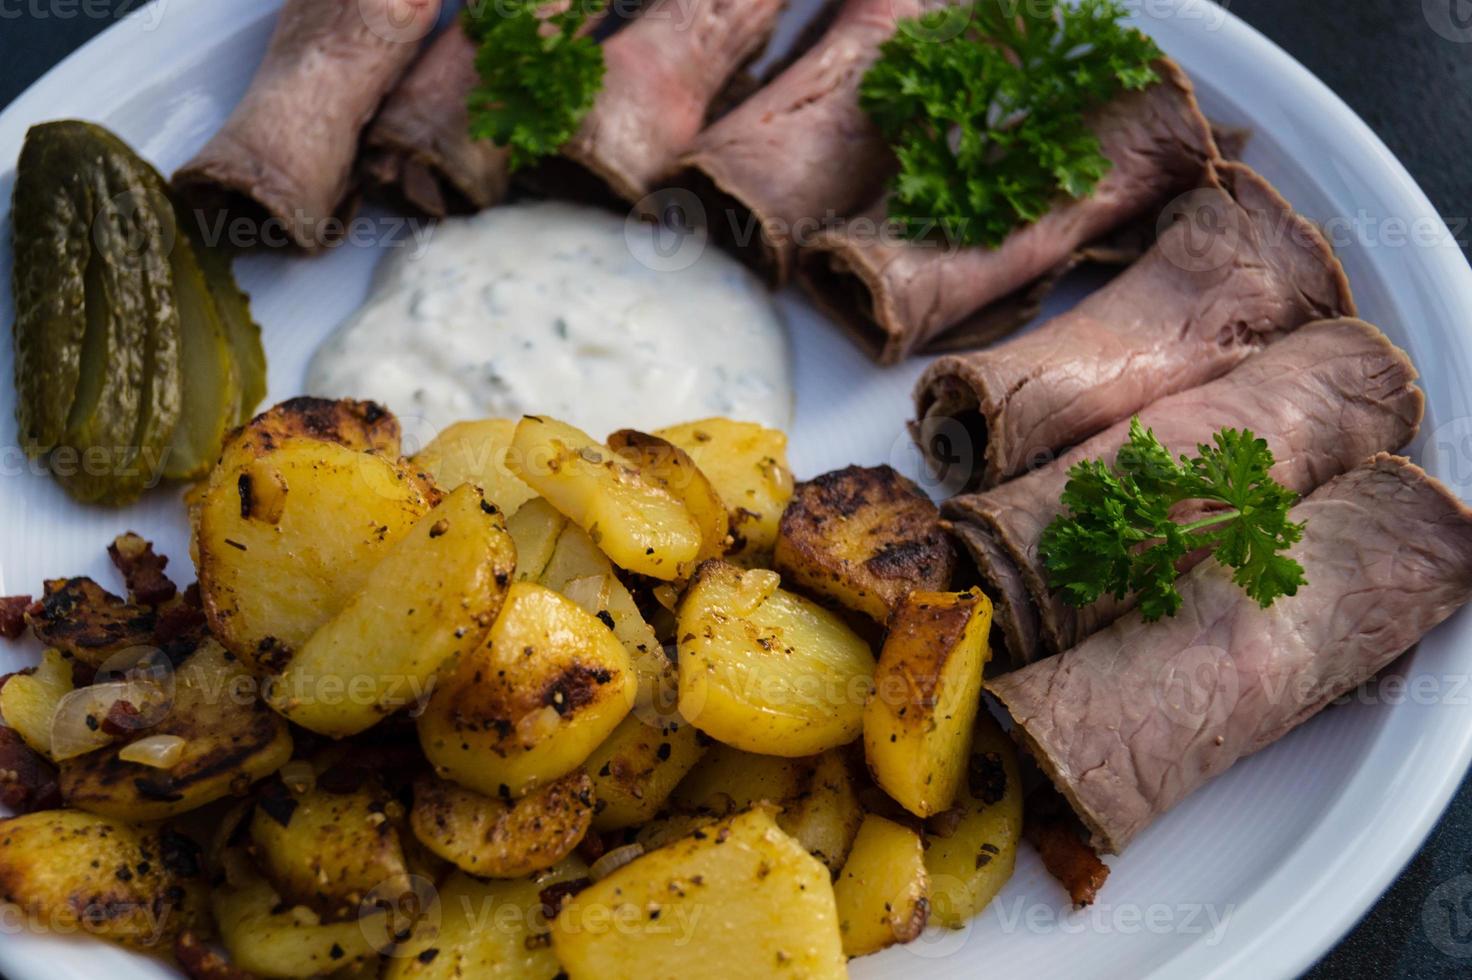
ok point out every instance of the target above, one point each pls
(157, 751)
(613, 860)
(81, 723)
(589, 592)
(299, 776)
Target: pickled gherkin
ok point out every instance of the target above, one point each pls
(135, 350)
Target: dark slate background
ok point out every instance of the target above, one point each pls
(1406, 67)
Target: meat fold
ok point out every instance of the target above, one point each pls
(287, 151)
(895, 296)
(665, 71)
(801, 150)
(1130, 722)
(1324, 398)
(419, 151)
(1233, 270)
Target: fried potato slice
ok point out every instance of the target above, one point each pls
(881, 891)
(863, 537)
(765, 670)
(737, 892)
(672, 468)
(927, 688)
(747, 465)
(28, 699)
(532, 702)
(433, 596)
(639, 524)
(493, 838)
(636, 769)
(475, 452)
(535, 527)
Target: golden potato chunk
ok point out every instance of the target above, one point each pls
(747, 465)
(927, 688)
(881, 891)
(268, 938)
(737, 898)
(230, 740)
(78, 873)
(434, 595)
(531, 703)
(28, 700)
(863, 537)
(492, 838)
(360, 425)
(329, 851)
(765, 670)
(638, 523)
(969, 865)
(672, 468)
(487, 930)
(475, 452)
(826, 815)
(285, 540)
(637, 768)
(535, 527)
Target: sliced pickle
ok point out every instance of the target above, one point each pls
(211, 387)
(240, 326)
(90, 228)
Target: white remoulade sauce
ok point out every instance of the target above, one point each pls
(561, 310)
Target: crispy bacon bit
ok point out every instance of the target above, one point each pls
(554, 897)
(1052, 828)
(142, 569)
(200, 961)
(123, 718)
(27, 781)
(592, 847)
(13, 615)
(179, 624)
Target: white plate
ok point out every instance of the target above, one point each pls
(1282, 854)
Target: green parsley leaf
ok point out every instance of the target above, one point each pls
(539, 75)
(1117, 534)
(985, 105)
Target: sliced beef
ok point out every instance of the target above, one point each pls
(1131, 721)
(287, 150)
(664, 73)
(895, 296)
(801, 150)
(419, 152)
(1324, 398)
(1234, 271)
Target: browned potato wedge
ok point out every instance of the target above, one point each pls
(90, 625)
(638, 523)
(747, 465)
(578, 570)
(927, 688)
(826, 815)
(881, 890)
(637, 768)
(28, 699)
(492, 838)
(329, 851)
(431, 597)
(535, 527)
(531, 703)
(672, 468)
(740, 895)
(970, 865)
(765, 670)
(229, 740)
(475, 452)
(78, 873)
(364, 426)
(289, 537)
(864, 537)
(488, 930)
(268, 938)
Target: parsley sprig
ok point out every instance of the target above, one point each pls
(985, 104)
(539, 75)
(1118, 536)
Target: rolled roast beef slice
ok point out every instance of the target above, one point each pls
(895, 296)
(1138, 716)
(801, 150)
(664, 72)
(419, 149)
(1324, 398)
(287, 150)
(1237, 271)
